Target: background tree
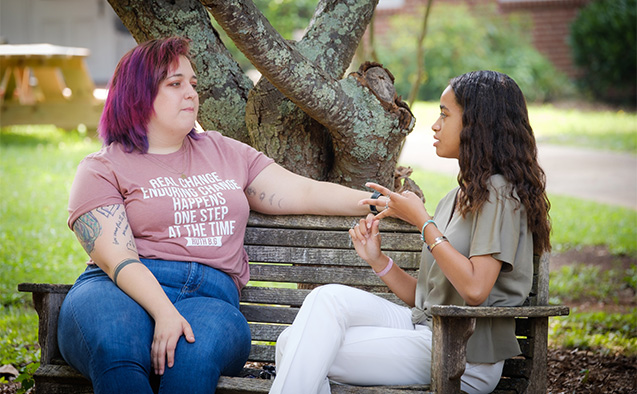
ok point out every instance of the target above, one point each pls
(604, 43)
(302, 113)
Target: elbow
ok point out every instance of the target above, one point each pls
(475, 296)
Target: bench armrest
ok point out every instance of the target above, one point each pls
(453, 325)
(499, 311)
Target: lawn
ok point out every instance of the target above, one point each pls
(38, 164)
(604, 129)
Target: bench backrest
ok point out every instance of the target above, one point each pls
(318, 250)
(289, 255)
(296, 252)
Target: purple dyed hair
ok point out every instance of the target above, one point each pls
(133, 88)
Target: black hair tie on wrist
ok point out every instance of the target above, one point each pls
(375, 196)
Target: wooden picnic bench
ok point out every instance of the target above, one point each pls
(295, 250)
(47, 84)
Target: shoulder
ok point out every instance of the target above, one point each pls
(502, 188)
(109, 156)
(217, 137)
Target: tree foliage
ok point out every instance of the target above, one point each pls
(473, 39)
(604, 43)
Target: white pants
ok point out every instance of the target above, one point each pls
(354, 337)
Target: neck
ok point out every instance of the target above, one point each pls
(164, 147)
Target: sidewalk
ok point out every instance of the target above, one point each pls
(605, 177)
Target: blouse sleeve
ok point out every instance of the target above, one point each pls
(496, 228)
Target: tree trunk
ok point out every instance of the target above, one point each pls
(305, 116)
(281, 129)
(223, 86)
(362, 114)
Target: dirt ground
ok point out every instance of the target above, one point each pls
(588, 372)
(572, 370)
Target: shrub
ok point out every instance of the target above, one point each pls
(603, 42)
(469, 41)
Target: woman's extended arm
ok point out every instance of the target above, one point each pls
(279, 191)
(107, 237)
(473, 277)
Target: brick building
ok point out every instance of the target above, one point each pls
(551, 21)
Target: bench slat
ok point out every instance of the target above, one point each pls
(322, 256)
(326, 239)
(287, 296)
(323, 223)
(316, 274)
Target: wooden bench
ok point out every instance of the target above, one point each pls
(317, 250)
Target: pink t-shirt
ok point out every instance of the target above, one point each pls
(185, 206)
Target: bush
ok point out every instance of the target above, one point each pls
(465, 42)
(603, 42)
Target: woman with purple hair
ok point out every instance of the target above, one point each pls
(161, 211)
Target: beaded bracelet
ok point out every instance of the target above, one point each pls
(422, 232)
(386, 269)
(437, 242)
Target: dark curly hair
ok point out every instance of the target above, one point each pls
(497, 138)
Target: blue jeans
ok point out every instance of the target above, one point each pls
(107, 336)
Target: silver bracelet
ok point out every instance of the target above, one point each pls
(436, 242)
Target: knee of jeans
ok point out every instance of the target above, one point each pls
(121, 351)
(332, 296)
(325, 292)
(223, 336)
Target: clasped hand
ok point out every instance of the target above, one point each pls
(406, 206)
(365, 235)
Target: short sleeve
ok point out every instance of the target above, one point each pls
(496, 228)
(94, 186)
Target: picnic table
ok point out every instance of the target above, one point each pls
(47, 84)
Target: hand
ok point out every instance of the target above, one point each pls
(366, 239)
(406, 206)
(168, 330)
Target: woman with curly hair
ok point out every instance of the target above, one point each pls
(478, 250)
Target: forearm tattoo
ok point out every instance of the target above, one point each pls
(121, 265)
(87, 229)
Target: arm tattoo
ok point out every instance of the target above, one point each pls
(121, 265)
(118, 227)
(87, 229)
(108, 210)
(250, 191)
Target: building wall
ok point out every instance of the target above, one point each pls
(74, 23)
(551, 21)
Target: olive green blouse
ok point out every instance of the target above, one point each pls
(498, 229)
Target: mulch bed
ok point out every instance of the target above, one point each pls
(586, 372)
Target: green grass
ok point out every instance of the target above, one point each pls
(608, 333)
(37, 169)
(37, 166)
(606, 130)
